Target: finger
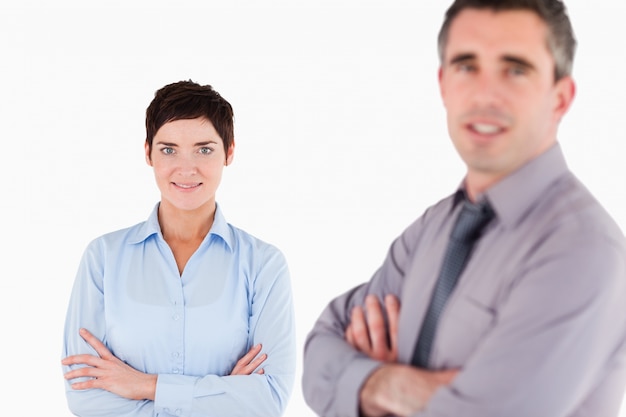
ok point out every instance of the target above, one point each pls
(245, 359)
(82, 385)
(255, 363)
(81, 359)
(446, 377)
(250, 367)
(349, 337)
(392, 306)
(376, 326)
(95, 343)
(360, 334)
(244, 365)
(261, 371)
(83, 372)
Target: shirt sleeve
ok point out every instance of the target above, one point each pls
(86, 310)
(271, 323)
(557, 336)
(333, 371)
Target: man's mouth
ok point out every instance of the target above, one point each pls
(485, 128)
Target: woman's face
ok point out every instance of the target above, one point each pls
(188, 158)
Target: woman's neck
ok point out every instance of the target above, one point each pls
(185, 225)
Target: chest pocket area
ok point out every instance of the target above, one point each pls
(464, 324)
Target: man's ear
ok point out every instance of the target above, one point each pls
(564, 93)
(147, 151)
(439, 76)
(230, 154)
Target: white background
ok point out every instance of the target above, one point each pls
(341, 141)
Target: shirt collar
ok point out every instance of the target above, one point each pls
(514, 195)
(221, 228)
(152, 227)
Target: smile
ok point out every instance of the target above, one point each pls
(187, 186)
(485, 128)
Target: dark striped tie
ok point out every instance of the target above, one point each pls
(467, 229)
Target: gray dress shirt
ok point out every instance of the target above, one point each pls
(536, 323)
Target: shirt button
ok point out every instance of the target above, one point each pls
(175, 370)
(175, 317)
(177, 411)
(176, 354)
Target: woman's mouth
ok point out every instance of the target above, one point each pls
(187, 186)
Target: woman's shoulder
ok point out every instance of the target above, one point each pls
(254, 247)
(246, 239)
(129, 234)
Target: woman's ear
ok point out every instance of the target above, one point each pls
(147, 151)
(230, 154)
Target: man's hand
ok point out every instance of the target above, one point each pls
(109, 373)
(400, 390)
(367, 332)
(392, 388)
(250, 361)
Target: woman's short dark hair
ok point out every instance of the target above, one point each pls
(190, 100)
(561, 40)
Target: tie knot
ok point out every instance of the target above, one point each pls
(471, 221)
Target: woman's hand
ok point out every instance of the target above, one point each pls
(250, 361)
(109, 373)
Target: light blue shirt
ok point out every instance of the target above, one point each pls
(190, 330)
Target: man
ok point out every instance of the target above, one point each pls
(526, 316)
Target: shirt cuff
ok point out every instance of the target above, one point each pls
(174, 394)
(350, 383)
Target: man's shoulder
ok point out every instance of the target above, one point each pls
(569, 207)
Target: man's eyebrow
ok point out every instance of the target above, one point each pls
(511, 59)
(462, 57)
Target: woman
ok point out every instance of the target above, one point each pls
(175, 316)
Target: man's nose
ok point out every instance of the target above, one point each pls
(487, 89)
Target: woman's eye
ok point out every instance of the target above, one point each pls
(167, 150)
(205, 150)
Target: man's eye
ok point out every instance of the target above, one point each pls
(517, 70)
(466, 68)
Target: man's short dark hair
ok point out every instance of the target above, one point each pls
(190, 100)
(561, 41)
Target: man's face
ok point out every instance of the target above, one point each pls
(497, 84)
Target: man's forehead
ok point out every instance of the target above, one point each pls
(479, 31)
